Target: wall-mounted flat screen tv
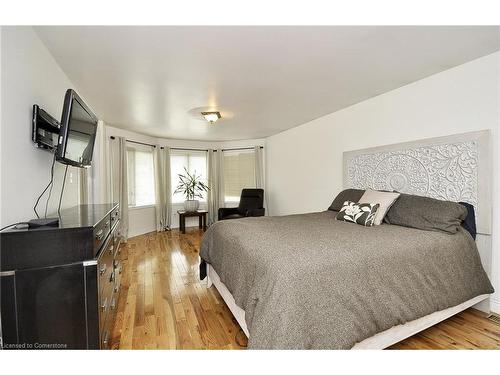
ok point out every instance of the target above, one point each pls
(78, 131)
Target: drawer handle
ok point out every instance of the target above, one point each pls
(105, 339)
(106, 224)
(102, 270)
(104, 304)
(111, 248)
(113, 304)
(99, 235)
(112, 277)
(120, 270)
(117, 288)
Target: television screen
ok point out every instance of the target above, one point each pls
(78, 130)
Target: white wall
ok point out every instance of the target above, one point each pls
(304, 164)
(29, 75)
(143, 219)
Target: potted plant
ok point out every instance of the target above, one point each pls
(191, 187)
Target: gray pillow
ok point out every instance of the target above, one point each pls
(426, 213)
(353, 195)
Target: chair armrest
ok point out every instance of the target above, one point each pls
(223, 212)
(256, 212)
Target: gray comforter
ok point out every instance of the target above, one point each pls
(310, 281)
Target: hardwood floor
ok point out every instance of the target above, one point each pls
(164, 305)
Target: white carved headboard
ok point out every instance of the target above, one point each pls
(455, 168)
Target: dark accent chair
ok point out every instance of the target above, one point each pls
(251, 204)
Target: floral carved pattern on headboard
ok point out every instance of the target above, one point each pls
(454, 167)
(444, 171)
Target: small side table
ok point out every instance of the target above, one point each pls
(202, 217)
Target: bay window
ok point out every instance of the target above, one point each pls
(195, 162)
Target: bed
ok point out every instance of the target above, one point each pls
(311, 282)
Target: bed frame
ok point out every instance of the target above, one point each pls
(444, 168)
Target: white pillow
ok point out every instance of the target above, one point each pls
(384, 199)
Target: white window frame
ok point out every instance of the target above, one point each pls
(188, 153)
(129, 167)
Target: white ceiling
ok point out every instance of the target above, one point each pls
(155, 80)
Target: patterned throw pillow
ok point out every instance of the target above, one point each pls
(359, 213)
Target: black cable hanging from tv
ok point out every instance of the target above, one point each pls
(62, 191)
(50, 190)
(44, 190)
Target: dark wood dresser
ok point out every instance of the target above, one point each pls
(60, 285)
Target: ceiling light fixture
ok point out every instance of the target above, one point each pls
(211, 117)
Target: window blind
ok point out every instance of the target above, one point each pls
(141, 183)
(239, 173)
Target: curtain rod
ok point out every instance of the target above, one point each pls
(139, 143)
(224, 149)
(189, 149)
(237, 149)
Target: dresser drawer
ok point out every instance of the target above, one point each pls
(116, 289)
(106, 337)
(105, 266)
(108, 315)
(115, 215)
(113, 309)
(116, 277)
(118, 268)
(117, 242)
(105, 300)
(101, 231)
(105, 295)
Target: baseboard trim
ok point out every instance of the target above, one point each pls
(495, 305)
(134, 235)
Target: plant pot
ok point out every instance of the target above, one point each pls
(191, 205)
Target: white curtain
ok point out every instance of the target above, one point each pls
(162, 188)
(84, 185)
(219, 166)
(119, 181)
(259, 167)
(215, 196)
(259, 171)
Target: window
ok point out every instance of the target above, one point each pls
(141, 180)
(195, 162)
(239, 173)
